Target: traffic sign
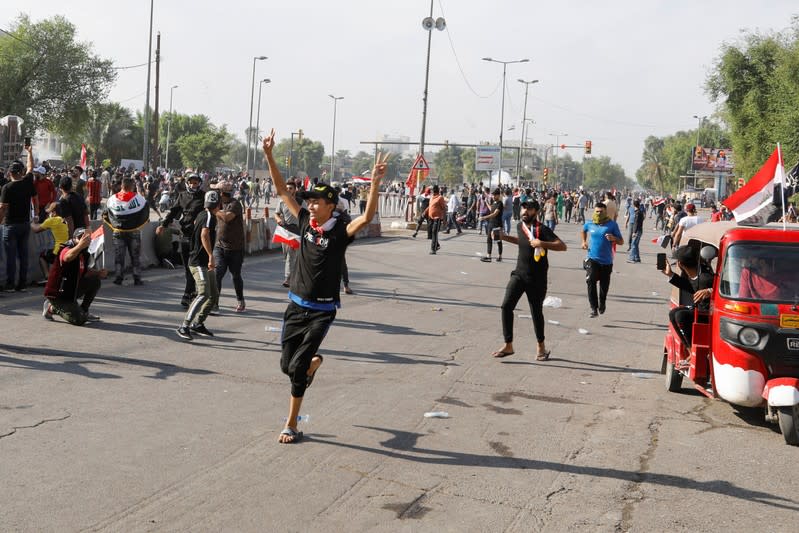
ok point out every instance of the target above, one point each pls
(421, 164)
(486, 158)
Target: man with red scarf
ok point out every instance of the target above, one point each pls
(529, 277)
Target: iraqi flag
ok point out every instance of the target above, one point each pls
(753, 204)
(127, 211)
(362, 180)
(284, 236)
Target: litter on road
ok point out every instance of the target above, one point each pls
(436, 414)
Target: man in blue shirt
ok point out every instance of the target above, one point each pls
(599, 235)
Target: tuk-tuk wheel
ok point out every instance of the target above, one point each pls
(789, 424)
(673, 377)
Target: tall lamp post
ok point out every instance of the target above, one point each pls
(524, 124)
(557, 148)
(333, 144)
(252, 98)
(428, 23)
(168, 125)
(258, 123)
(700, 120)
(146, 149)
(502, 114)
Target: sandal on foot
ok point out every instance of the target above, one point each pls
(543, 356)
(296, 436)
(309, 379)
(499, 354)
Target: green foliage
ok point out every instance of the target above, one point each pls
(602, 174)
(756, 81)
(361, 162)
(448, 165)
(47, 77)
(204, 150)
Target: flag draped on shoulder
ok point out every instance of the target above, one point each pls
(127, 211)
(753, 204)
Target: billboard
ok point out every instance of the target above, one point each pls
(486, 158)
(712, 160)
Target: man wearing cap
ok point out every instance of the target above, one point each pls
(286, 219)
(45, 190)
(16, 197)
(201, 266)
(690, 220)
(314, 292)
(189, 204)
(229, 249)
(72, 206)
(71, 278)
(529, 277)
(494, 219)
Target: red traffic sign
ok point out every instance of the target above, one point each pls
(562, 146)
(421, 163)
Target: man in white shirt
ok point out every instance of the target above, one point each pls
(453, 204)
(685, 223)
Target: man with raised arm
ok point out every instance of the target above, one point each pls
(314, 285)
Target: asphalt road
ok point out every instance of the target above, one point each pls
(122, 426)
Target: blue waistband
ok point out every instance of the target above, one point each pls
(316, 306)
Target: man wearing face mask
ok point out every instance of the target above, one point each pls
(598, 236)
(529, 277)
(185, 211)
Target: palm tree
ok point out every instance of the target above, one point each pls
(108, 132)
(654, 166)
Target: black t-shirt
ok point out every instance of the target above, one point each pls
(18, 194)
(495, 222)
(231, 234)
(526, 265)
(73, 205)
(197, 254)
(317, 276)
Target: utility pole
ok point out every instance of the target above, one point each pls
(146, 149)
(156, 150)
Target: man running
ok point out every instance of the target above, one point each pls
(603, 233)
(314, 293)
(530, 276)
(494, 220)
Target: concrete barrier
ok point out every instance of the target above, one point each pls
(259, 232)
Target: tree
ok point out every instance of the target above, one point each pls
(757, 84)
(449, 165)
(468, 157)
(362, 162)
(204, 150)
(653, 172)
(48, 78)
(602, 174)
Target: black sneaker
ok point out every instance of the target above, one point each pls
(8, 287)
(92, 318)
(137, 281)
(118, 281)
(601, 309)
(200, 329)
(184, 333)
(593, 314)
(20, 288)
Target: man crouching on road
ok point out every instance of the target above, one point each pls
(71, 278)
(314, 291)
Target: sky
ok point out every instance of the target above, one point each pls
(613, 72)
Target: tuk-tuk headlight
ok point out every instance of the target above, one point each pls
(749, 336)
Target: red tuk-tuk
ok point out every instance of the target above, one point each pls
(745, 350)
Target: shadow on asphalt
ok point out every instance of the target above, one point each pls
(164, 370)
(590, 367)
(403, 443)
(424, 299)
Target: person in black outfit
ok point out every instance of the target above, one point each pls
(185, 210)
(696, 286)
(15, 212)
(314, 292)
(494, 218)
(72, 206)
(529, 277)
(424, 202)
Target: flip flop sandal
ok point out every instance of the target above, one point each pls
(499, 354)
(296, 436)
(309, 379)
(543, 356)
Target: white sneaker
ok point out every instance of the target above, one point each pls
(47, 314)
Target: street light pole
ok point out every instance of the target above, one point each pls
(258, 124)
(146, 150)
(168, 125)
(502, 114)
(333, 144)
(252, 98)
(699, 126)
(524, 124)
(557, 149)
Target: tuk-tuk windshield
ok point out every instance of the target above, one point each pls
(761, 271)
